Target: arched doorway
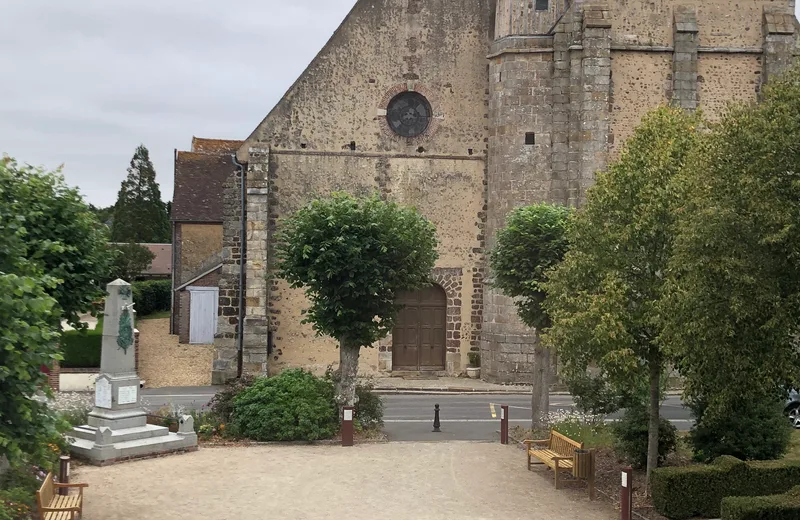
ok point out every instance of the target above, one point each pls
(418, 337)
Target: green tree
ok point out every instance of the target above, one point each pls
(139, 214)
(352, 256)
(734, 302)
(603, 298)
(60, 235)
(533, 241)
(104, 215)
(130, 261)
(29, 320)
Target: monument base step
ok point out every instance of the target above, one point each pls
(88, 450)
(128, 434)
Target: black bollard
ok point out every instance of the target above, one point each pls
(436, 422)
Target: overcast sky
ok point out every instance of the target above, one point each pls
(85, 81)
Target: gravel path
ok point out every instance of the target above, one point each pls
(389, 481)
(163, 362)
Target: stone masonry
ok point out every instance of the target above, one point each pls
(528, 101)
(684, 59)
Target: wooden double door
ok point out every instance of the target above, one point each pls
(418, 337)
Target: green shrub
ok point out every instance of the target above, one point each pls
(292, 406)
(631, 434)
(474, 359)
(770, 507)
(222, 403)
(152, 296)
(753, 429)
(81, 348)
(683, 492)
(16, 504)
(369, 408)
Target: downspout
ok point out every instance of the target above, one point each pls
(174, 251)
(242, 261)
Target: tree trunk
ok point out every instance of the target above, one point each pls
(348, 374)
(655, 403)
(540, 390)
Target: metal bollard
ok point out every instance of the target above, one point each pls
(504, 424)
(436, 423)
(347, 426)
(63, 474)
(626, 495)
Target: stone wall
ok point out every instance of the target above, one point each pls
(225, 347)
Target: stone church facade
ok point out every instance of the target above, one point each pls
(466, 112)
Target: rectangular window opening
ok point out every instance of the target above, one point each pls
(530, 138)
(542, 5)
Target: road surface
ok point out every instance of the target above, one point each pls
(470, 417)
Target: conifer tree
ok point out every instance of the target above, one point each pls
(140, 215)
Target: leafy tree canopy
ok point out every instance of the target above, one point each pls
(603, 298)
(734, 302)
(140, 215)
(130, 261)
(533, 241)
(352, 256)
(56, 236)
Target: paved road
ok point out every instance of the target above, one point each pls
(476, 417)
(410, 417)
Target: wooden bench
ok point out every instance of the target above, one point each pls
(59, 507)
(557, 452)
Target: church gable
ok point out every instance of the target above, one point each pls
(385, 47)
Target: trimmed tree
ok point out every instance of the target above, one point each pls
(603, 298)
(60, 234)
(533, 241)
(352, 256)
(734, 303)
(140, 215)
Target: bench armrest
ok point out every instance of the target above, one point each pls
(70, 485)
(539, 441)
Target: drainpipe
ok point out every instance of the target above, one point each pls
(242, 281)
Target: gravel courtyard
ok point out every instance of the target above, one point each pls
(457, 480)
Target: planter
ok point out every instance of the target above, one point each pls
(474, 372)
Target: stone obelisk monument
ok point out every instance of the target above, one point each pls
(118, 428)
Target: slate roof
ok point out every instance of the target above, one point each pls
(215, 146)
(199, 179)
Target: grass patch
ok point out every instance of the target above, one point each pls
(160, 315)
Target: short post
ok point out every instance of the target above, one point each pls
(436, 423)
(626, 495)
(347, 426)
(504, 424)
(63, 474)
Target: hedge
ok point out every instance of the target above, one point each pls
(81, 349)
(680, 493)
(152, 296)
(772, 507)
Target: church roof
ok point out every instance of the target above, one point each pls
(199, 180)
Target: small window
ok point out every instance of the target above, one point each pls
(530, 138)
(542, 5)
